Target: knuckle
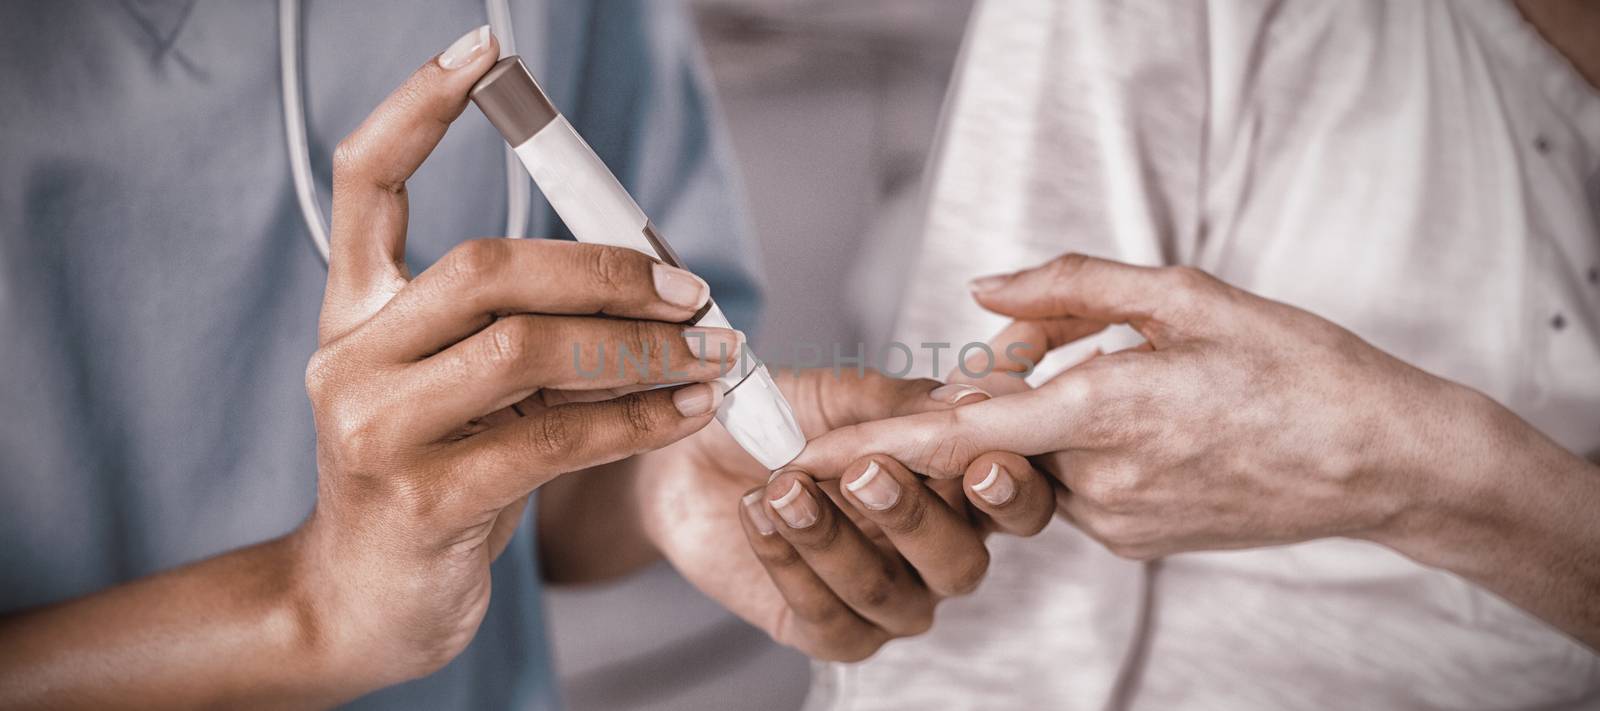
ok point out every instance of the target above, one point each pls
(1067, 265)
(824, 535)
(641, 337)
(508, 345)
(474, 261)
(873, 591)
(319, 375)
(820, 612)
(1079, 389)
(555, 433)
(641, 415)
(1186, 286)
(355, 438)
(968, 574)
(950, 451)
(779, 556)
(1114, 489)
(613, 269)
(910, 518)
(346, 159)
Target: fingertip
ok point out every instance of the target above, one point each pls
(1007, 489)
(470, 48)
(756, 512)
(988, 284)
(793, 497)
(872, 485)
(956, 394)
(995, 486)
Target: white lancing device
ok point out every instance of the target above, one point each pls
(597, 209)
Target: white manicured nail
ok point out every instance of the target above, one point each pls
(465, 49)
(997, 488)
(875, 489)
(680, 288)
(796, 507)
(758, 513)
(714, 344)
(698, 399)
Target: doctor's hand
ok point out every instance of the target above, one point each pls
(442, 401)
(423, 469)
(834, 571)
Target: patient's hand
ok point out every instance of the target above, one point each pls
(822, 570)
(1241, 422)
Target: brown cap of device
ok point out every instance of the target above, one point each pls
(513, 101)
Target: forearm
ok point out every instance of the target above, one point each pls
(589, 526)
(1513, 512)
(232, 631)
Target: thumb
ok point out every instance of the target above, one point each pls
(366, 264)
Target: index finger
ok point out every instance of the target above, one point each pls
(370, 169)
(941, 444)
(480, 280)
(1094, 289)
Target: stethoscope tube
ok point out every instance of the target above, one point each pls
(518, 196)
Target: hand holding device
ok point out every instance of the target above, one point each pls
(423, 465)
(432, 395)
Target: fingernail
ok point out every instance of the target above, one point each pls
(796, 507)
(875, 489)
(988, 283)
(956, 392)
(717, 344)
(758, 513)
(698, 399)
(997, 488)
(680, 288)
(465, 49)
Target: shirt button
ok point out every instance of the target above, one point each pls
(1594, 275)
(1541, 144)
(1558, 322)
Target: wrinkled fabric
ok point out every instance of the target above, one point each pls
(1423, 173)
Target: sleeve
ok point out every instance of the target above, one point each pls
(646, 105)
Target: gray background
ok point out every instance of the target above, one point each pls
(833, 105)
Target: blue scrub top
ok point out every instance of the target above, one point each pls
(159, 290)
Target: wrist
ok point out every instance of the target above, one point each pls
(335, 641)
(1452, 477)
